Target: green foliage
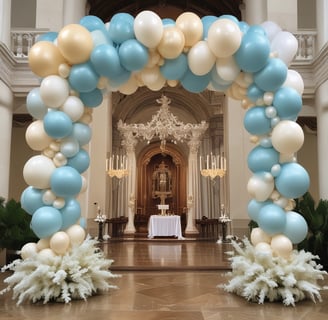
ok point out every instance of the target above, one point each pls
(317, 220)
(15, 228)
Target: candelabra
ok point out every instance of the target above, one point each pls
(213, 166)
(116, 166)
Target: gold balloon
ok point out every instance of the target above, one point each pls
(44, 58)
(75, 43)
(191, 26)
(172, 43)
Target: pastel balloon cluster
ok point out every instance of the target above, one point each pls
(248, 63)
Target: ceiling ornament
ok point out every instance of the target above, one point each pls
(165, 126)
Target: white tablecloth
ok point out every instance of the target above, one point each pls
(164, 226)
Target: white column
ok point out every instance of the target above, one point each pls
(73, 11)
(6, 113)
(322, 121)
(255, 11)
(322, 23)
(5, 24)
(193, 188)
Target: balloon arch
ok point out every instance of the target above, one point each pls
(82, 61)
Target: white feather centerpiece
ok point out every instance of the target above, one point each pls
(80, 273)
(261, 277)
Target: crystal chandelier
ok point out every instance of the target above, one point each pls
(163, 125)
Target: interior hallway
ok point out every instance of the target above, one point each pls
(164, 280)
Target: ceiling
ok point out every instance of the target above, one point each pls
(105, 9)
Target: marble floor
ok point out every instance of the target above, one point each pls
(164, 280)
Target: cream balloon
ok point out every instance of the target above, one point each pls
(224, 38)
(287, 136)
(59, 242)
(172, 43)
(76, 234)
(48, 197)
(64, 70)
(43, 244)
(129, 87)
(28, 250)
(263, 247)
(260, 187)
(200, 58)
(259, 236)
(36, 137)
(150, 76)
(37, 171)
(59, 203)
(191, 26)
(46, 256)
(158, 84)
(148, 28)
(281, 246)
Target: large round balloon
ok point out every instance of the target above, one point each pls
(70, 213)
(36, 137)
(262, 159)
(65, 182)
(46, 221)
(59, 242)
(35, 105)
(73, 107)
(258, 236)
(272, 219)
(254, 208)
(256, 122)
(37, 171)
(191, 26)
(82, 133)
(148, 28)
(57, 124)
(296, 228)
(80, 161)
(260, 186)
(174, 69)
(31, 199)
(92, 99)
(224, 38)
(121, 27)
(83, 77)
(288, 103)
(293, 180)
(172, 43)
(75, 43)
(44, 58)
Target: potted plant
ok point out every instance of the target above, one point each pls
(317, 219)
(15, 228)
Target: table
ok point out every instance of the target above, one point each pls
(164, 226)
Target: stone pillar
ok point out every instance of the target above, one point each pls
(5, 22)
(6, 114)
(322, 23)
(129, 143)
(73, 11)
(255, 11)
(193, 187)
(322, 121)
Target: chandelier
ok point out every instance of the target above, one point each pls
(164, 125)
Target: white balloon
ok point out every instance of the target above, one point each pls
(76, 234)
(285, 45)
(294, 80)
(263, 247)
(59, 203)
(37, 171)
(28, 250)
(73, 107)
(54, 90)
(271, 29)
(258, 236)
(260, 186)
(227, 68)
(200, 58)
(148, 28)
(36, 137)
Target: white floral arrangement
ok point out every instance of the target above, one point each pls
(78, 274)
(260, 277)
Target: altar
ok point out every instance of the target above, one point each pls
(164, 226)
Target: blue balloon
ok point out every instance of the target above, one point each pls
(35, 105)
(262, 159)
(106, 61)
(133, 55)
(174, 69)
(229, 17)
(168, 22)
(195, 83)
(288, 103)
(92, 23)
(254, 50)
(92, 99)
(293, 180)
(83, 223)
(83, 77)
(272, 76)
(215, 77)
(70, 213)
(65, 182)
(120, 79)
(31, 199)
(48, 36)
(256, 122)
(82, 133)
(272, 219)
(121, 27)
(46, 221)
(80, 161)
(243, 26)
(254, 92)
(57, 124)
(207, 21)
(254, 208)
(296, 228)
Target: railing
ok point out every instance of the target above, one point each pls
(23, 40)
